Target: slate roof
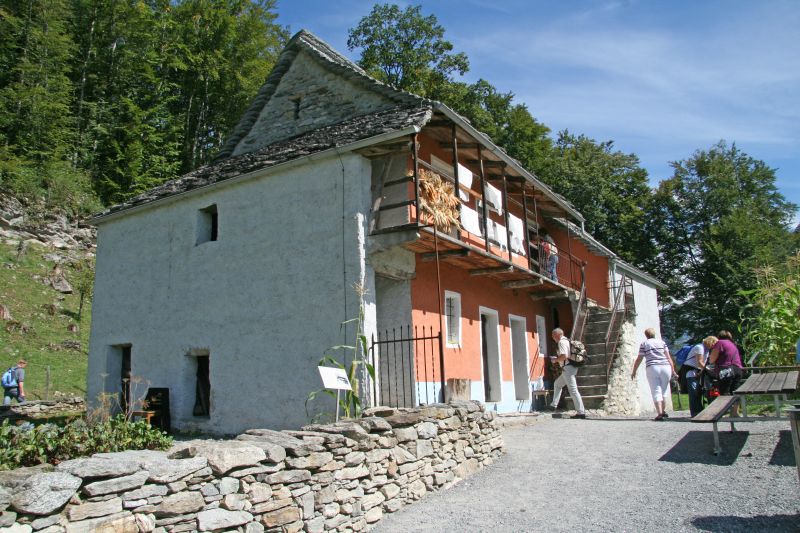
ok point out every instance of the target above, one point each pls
(319, 140)
(304, 40)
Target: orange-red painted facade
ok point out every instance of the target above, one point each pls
(465, 362)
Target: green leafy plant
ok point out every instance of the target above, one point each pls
(771, 319)
(30, 445)
(350, 401)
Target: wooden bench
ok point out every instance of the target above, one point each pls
(713, 413)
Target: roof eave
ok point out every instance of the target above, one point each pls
(264, 171)
(529, 176)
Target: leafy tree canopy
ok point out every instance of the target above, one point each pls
(406, 49)
(716, 220)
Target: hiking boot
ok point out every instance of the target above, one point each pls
(659, 418)
(664, 415)
(582, 416)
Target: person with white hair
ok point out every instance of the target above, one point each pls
(660, 370)
(567, 377)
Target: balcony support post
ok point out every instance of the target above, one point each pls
(483, 199)
(506, 216)
(415, 156)
(569, 251)
(457, 186)
(525, 226)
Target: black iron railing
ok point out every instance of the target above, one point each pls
(407, 366)
(623, 306)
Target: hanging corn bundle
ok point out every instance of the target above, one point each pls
(438, 200)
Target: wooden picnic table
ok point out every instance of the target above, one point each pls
(779, 384)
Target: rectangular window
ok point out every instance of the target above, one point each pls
(207, 224)
(452, 316)
(202, 395)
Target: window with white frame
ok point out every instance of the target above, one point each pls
(452, 316)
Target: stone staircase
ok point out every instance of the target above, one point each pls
(592, 379)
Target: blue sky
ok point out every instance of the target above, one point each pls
(659, 78)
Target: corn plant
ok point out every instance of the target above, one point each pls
(771, 319)
(357, 369)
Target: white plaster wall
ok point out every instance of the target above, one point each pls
(266, 299)
(647, 316)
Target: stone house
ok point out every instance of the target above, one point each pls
(227, 285)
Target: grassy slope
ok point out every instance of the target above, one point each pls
(26, 298)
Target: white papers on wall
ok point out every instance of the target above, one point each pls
(464, 175)
(494, 199)
(470, 220)
(517, 234)
(500, 234)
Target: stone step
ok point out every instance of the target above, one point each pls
(589, 401)
(592, 390)
(595, 379)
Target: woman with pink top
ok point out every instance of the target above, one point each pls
(727, 366)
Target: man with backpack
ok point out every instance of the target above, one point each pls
(568, 376)
(13, 387)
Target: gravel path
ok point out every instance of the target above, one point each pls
(631, 475)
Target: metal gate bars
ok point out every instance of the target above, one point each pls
(406, 365)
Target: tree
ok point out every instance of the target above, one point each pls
(716, 220)
(406, 49)
(607, 187)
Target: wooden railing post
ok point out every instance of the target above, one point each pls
(455, 172)
(415, 155)
(483, 198)
(506, 217)
(525, 227)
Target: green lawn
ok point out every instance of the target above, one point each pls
(31, 303)
(756, 405)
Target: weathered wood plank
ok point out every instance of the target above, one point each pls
(716, 410)
(489, 271)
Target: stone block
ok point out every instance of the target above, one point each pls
(316, 525)
(221, 519)
(354, 458)
(330, 510)
(372, 500)
(390, 491)
(376, 456)
(254, 527)
(288, 476)
(373, 515)
(280, 517)
(417, 489)
(406, 434)
(97, 466)
(354, 472)
(45, 493)
(146, 491)
(222, 456)
(180, 503)
(392, 506)
(228, 485)
(427, 430)
(311, 461)
(259, 492)
(45, 521)
(118, 484)
(233, 502)
(374, 424)
(145, 523)
(7, 519)
(120, 523)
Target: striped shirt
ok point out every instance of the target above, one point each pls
(654, 352)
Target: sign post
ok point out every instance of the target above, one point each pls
(335, 378)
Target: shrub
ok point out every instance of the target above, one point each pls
(29, 445)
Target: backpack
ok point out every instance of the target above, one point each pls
(577, 353)
(682, 354)
(10, 378)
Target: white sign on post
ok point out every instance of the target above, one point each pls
(334, 378)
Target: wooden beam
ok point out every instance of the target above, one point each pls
(444, 254)
(490, 271)
(520, 283)
(487, 162)
(463, 146)
(438, 123)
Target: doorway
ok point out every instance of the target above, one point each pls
(490, 355)
(519, 357)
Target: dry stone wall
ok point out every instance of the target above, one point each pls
(42, 408)
(335, 477)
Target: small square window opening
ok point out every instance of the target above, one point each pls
(207, 224)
